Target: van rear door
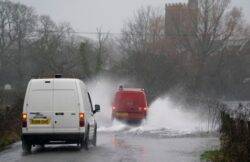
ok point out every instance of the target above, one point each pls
(130, 101)
(65, 106)
(39, 106)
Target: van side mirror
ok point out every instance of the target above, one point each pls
(97, 109)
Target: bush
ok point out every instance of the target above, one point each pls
(10, 110)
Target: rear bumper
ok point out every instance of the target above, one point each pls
(129, 116)
(52, 138)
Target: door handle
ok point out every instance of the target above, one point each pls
(59, 113)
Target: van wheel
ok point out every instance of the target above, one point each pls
(26, 147)
(95, 135)
(85, 142)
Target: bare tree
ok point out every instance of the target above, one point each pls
(144, 31)
(83, 55)
(101, 49)
(144, 49)
(56, 47)
(17, 23)
(7, 37)
(212, 25)
(24, 22)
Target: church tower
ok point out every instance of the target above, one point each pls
(193, 4)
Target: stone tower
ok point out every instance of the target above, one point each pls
(193, 4)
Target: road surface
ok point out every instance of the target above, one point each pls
(119, 147)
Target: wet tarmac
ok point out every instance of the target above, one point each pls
(119, 147)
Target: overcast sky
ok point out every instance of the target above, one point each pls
(88, 15)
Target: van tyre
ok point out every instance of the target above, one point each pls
(26, 147)
(80, 144)
(95, 135)
(86, 139)
(86, 142)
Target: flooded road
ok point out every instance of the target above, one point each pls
(168, 135)
(118, 147)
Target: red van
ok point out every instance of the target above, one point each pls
(130, 104)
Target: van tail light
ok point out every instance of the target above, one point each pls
(24, 120)
(81, 119)
(113, 108)
(143, 108)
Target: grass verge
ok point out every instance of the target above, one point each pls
(213, 156)
(8, 139)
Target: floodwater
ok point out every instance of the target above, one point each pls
(119, 147)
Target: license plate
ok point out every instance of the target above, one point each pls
(121, 114)
(40, 121)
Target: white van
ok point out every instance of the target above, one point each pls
(58, 110)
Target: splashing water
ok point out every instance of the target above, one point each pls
(116, 126)
(164, 115)
(167, 115)
(102, 90)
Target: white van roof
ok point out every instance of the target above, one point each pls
(59, 83)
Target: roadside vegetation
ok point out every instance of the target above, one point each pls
(213, 156)
(234, 136)
(207, 58)
(10, 110)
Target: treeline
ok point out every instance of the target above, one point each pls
(33, 45)
(207, 56)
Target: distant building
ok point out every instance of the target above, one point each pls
(180, 18)
(180, 23)
(193, 4)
